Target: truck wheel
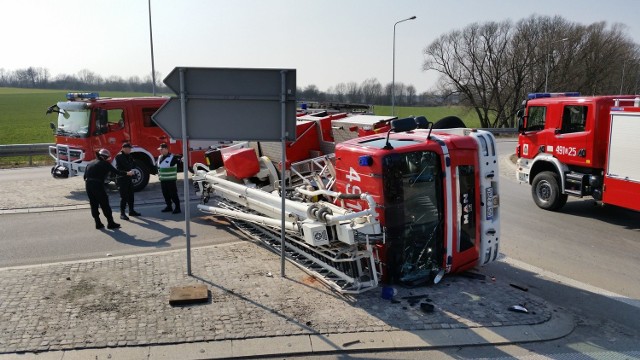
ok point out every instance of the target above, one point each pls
(140, 176)
(546, 191)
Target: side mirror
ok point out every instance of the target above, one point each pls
(403, 125)
(521, 120)
(52, 126)
(400, 125)
(101, 121)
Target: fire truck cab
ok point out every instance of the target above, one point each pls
(565, 145)
(87, 123)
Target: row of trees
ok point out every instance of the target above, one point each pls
(369, 91)
(40, 78)
(492, 66)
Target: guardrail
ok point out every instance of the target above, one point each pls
(31, 150)
(25, 150)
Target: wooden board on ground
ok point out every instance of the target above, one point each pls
(191, 294)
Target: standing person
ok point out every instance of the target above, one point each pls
(168, 174)
(124, 162)
(94, 177)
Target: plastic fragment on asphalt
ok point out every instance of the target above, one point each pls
(519, 308)
(519, 287)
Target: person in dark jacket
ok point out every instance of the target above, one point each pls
(168, 174)
(94, 177)
(125, 162)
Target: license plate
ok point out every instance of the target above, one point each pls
(489, 203)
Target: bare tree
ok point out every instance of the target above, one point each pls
(471, 62)
(493, 65)
(353, 92)
(89, 78)
(411, 95)
(371, 90)
(341, 92)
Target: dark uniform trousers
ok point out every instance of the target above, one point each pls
(170, 193)
(98, 197)
(125, 186)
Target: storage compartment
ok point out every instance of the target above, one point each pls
(241, 163)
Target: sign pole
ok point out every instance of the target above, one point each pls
(185, 168)
(283, 168)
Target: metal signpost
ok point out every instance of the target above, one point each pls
(230, 104)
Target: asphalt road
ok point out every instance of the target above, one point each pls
(70, 235)
(596, 245)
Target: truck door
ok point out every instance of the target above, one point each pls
(570, 139)
(534, 135)
(111, 128)
(149, 135)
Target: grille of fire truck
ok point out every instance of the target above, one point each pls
(345, 268)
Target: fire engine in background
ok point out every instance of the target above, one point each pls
(87, 123)
(580, 146)
(402, 204)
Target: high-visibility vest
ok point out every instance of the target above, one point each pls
(166, 172)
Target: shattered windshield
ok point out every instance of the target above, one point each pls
(413, 210)
(73, 119)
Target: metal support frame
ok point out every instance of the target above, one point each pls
(283, 168)
(185, 167)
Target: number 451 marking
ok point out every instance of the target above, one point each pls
(353, 176)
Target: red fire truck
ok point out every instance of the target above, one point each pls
(580, 146)
(87, 123)
(402, 204)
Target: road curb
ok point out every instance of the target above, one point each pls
(114, 204)
(560, 325)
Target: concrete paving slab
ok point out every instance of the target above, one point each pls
(199, 350)
(51, 355)
(299, 344)
(123, 353)
(351, 341)
(431, 338)
(40, 210)
(66, 207)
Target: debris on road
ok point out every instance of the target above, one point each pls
(519, 308)
(519, 287)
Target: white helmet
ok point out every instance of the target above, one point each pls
(104, 153)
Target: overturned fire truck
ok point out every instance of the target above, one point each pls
(369, 199)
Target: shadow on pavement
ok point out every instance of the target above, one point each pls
(628, 219)
(169, 233)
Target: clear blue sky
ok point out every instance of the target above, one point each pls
(327, 41)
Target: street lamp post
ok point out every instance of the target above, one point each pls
(153, 67)
(393, 78)
(546, 68)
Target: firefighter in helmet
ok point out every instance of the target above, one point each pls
(94, 177)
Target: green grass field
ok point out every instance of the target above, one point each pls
(22, 114)
(23, 119)
(434, 113)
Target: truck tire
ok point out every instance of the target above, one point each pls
(545, 190)
(140, 176)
